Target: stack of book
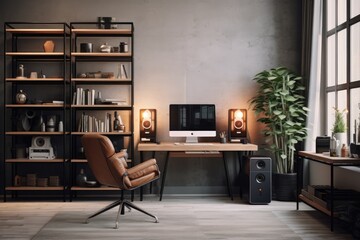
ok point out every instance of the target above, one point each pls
(84, 97)
(114, 101)
(89, 123)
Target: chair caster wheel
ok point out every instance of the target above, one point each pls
(116, 226)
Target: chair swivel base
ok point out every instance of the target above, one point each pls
(122, 204)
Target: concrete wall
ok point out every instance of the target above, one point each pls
(189, 51)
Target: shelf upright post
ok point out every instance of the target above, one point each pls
(4, 124)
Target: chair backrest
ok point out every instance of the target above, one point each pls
(100, 152)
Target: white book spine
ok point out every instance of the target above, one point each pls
(93, 92)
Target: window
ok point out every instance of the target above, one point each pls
(342, 58)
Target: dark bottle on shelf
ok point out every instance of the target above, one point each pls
(117, 123)
(81, 178)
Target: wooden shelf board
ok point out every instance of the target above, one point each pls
(26, 160)
(46, 105)
(54, 79)
(115, 80)
(28, 188)
(34, 53)
(75, 188)
(34, 133)
(99, 54)
(101, 31)
(101, 106)
(48, 31)
(102, 133)
(85, 160)
(316, 205)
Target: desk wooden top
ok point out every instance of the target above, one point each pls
(174, 147)
(325, 158)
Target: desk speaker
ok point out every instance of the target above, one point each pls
(148, 125)
(237, 125)
(256, 180)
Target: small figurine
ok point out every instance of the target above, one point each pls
(21, 71)
(105, 48)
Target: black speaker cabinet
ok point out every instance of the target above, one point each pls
(148, 125)
(322, 144)
(237, 125)
(256, 180)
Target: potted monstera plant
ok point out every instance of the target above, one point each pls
(280, 105)
(339, 126)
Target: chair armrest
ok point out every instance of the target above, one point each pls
(142, 166)
(144, 169)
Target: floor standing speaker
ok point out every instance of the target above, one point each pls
(256, 180)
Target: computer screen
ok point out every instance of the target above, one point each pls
(192, 121)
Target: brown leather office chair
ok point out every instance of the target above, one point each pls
(110, 169)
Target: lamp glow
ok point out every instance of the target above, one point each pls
(238, 114)
(146, 114)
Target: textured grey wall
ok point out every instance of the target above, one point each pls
(189, 51)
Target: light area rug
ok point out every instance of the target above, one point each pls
(173, 224)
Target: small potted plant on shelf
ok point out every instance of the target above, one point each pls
(339, 126)
(280, 106)
(222, 137)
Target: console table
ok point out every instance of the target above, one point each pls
(194, 150)
(331, 162)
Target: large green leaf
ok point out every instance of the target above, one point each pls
(290, 98)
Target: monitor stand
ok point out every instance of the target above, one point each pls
(191, 140)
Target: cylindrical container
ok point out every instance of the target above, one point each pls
(344, 151)
(21, 71)
(124, 47)
(61, 126)
(86, 47)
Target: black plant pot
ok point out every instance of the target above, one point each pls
(285, 186)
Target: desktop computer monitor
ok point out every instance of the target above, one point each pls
(192, 121)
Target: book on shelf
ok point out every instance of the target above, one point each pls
(53, 102)
(122, 74)
(88, 123)
(114, 101)
(84, 96)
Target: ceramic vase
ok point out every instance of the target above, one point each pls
(341, 137)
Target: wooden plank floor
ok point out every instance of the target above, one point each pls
(206, 217)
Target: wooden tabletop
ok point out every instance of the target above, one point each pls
(325, 158)
(213, 146)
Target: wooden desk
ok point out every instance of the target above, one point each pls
(194, 150)
(327, 160)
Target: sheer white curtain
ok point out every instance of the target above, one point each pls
(313, 119)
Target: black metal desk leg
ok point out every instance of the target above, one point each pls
(240, 172)
(164, 175)
(141, 188)
(298, 182)
(332, 197)
(227, 176)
